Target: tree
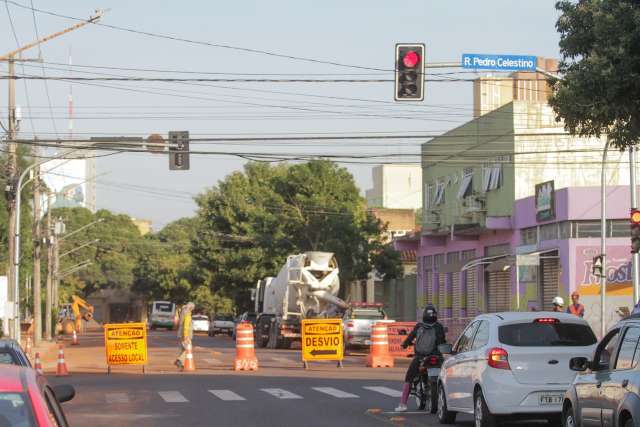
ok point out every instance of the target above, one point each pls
(600, 64)
(388, 263)
(250, 222)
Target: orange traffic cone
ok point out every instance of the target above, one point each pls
(74, 339)
(189, 364)
(379, 356)
(62, 370)
(245, 351)
(38, 364)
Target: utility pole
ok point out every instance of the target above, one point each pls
(47, 312)
(37, 242)
(56, 261)
(635, 268)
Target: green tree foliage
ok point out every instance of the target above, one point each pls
(599, 92)
(250, 222)
(387, 261)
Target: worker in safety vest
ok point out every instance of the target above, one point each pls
(575, 307)
(185, 333)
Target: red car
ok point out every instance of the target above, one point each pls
(27, 399)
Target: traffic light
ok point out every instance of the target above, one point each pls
(409, 82)
(179, 150)
(635, 231)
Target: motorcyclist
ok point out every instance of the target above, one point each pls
(428, 334)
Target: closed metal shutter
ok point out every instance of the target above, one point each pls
(550, 280)
(456, 295)
(442, 291)
(498, 291)
(472, 292)
(427, 289)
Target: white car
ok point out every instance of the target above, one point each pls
(200, 323)
(512, 364)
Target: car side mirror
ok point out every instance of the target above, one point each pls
(64, 392)
(445, 348)
(579, 364)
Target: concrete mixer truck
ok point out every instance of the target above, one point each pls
(306, 287)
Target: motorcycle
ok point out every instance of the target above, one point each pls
(425, 385)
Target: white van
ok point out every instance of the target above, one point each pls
(161, 314)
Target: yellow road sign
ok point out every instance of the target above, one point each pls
(126, 343)
(322, 339)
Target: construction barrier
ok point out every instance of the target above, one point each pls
(379, 356)
(189, 364)
(61, 370)
(398, 332)
(245, 349)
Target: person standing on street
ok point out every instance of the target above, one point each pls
(558, 304)
(575, 307)
(185, 333)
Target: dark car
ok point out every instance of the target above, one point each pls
(12, 354)
(607, 392)
(27, 399)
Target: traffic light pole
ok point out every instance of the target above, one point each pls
(635, 276)
(603, 241)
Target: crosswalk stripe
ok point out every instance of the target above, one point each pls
(172, 396)
(281, 393)
(335, 392)
(213, 361)
(282, 359)
(384, 390)
(226, 395)
(116, 398)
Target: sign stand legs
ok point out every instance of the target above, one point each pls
(108, 370)
(306, 365)
(340, 364)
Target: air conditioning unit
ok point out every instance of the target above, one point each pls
(474, 203)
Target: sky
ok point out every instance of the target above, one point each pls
(355, 34)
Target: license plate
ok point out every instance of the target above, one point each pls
(433, 372)
(551, 399)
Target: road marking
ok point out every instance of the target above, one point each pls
(335, 392)
(282, 359)
(172, 396)
(385, 390)
(280, 393)
(213, 361)
(116, 398)
(226, 395)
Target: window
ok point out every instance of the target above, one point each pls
(529, 236)
(584, 229)
(491, 177)
(6, 358)
(464, 342)
(453, 257)
(564, 229)
(549, 232)
(438, 260)
(497, 250)
(428, 195)
(532, 334)
(482, 336)
(466, 185)
(627, 357)
(439, 196)
(605, 349)
(619, 228)
(164, 307)
(16, 410)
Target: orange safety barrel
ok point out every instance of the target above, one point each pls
(245, 348)
(379, 356)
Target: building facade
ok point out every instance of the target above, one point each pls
(511, 209)
(395, 187)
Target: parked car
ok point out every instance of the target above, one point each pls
(200, 323)
(12, 354)
(27, 399)
(221, 324)
(512, 364)
(357, 323)
(247, 316)
(607, 392)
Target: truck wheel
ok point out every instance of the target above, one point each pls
(273, 338)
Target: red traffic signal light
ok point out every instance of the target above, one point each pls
(409, 81)
(635, 216)
(635, 231)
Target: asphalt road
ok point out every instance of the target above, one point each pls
(281, 393)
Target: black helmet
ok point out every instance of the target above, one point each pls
(430, 314)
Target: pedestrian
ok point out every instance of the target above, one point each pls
(575, 307)
(558, 304)
(185, 334)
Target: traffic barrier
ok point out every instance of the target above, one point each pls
(189, 364)
(379, 356)
(38, 364)
(74, 339)
(61, 370)
(398, 332)
(245, 350)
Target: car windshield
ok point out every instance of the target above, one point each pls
(164, 307)
(224, 318)
(534, 334)
(14, 411)
(251, 317)
(200, 317)
(7, 358)
(367, 314)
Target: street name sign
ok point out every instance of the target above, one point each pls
(481, 61)
(126, 343)
(322, 339)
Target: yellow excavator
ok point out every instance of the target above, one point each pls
(74, 313)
